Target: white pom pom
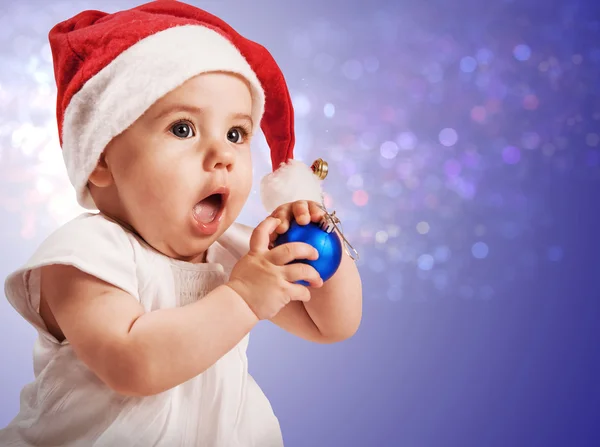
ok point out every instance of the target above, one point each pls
(290, 182)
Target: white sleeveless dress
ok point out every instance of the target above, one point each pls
(68, 406)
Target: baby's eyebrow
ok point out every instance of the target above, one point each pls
(243, 116)
(179, 108)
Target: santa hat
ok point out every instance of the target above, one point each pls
(110, 68)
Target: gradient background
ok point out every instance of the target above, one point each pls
(464, 144)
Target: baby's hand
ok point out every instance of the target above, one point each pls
(263, 278)
(302, 211)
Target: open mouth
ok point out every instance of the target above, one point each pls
(209, 209)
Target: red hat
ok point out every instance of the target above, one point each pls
(110, 68)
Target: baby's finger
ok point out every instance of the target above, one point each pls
(298, 292)
(305, 272)
(316, 212)
(259, 240)
(291, 251)
(300, 210)
(283, 215)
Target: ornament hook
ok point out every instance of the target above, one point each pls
(330, 222)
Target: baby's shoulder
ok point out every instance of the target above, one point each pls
(82, 237)
(89, 230)
(91, 243)
(91, 224)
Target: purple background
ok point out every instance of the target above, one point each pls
(463, 140)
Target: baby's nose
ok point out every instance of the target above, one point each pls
(220, 157)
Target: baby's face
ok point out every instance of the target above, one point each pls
(181, 174)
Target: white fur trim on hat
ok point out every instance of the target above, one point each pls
(121, 92)
(290, 182)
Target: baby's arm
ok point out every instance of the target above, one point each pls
(142, 353)
(139, 353)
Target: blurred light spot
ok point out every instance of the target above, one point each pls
(436, 96)
(510, 230)
(592, 158)
(22, 44)
(592, 139)
(329, 110)
(423, 228)
(347, 167)
(466, 291)
(483, 80)
(368, 140)
(431, 201)
(480, 250)
(548, 149)
(480, 230)
(478, 114)
(484, 56)
(425, 262)
(452, 168)
(324, 62)
(388, 150)
(46, 53)
(393, 230)
(522, 52)
(530, 140)
(555, 253)
(468, 64)
(381, 237)
(394, 293)
(360, 198)
(404, 169)
(511, 155)
(486, 292)
(377, 264)
(577, 59)
(530, 102)
(462, 187)
(301, 105)
(434, 72)
(28, 138)
(355, 182)
(394, 254)
(432, 182)
(529, 259)
(392, 189)
(441, 253)
(352, 69)
(327, 200)
(440, 280)
(385, 163)
(302, 45)
(44, 186)
(448, 137)
(388, 114)
(407, 140)
(371, 64)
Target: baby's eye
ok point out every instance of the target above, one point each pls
(236, 135)
(182, 130)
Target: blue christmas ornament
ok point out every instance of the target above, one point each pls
(326, 242)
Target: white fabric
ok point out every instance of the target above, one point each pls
(122, 91)
(291, 181)
(67, 405)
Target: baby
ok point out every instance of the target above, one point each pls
(144, 306)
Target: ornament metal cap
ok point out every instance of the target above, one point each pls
(320, 168)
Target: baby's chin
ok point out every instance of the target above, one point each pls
(189, 247)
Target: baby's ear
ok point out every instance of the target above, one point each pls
(101, 175)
